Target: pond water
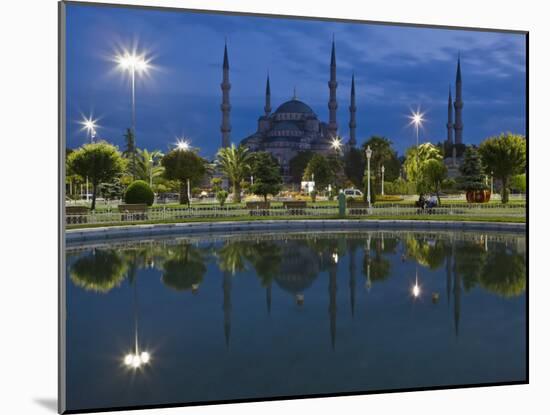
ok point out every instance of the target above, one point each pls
(249, 316)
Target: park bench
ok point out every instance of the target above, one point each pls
(295, 207)
(76, 214)
(133, 211)
(258, 208)
(357, 207)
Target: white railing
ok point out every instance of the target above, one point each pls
(166, 214)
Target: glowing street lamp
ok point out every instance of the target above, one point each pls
(183, 145)
(417, 118)
(90, 125)
(368, 153)
(336, 144)
(133, 63)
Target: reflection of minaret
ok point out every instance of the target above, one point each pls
(449, 266)
(332, 103)
(268, 298)
(352, 110)
(457, 294)
(458, 105)
(226, 106)
(352, 268)
(227, 306)
(267, 107)
(450, 119)
(332, 306)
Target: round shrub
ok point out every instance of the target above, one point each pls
(139, 192)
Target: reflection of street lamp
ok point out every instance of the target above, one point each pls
(382, 169)
(136, 359)
(368, 283)
(368, 153)
(416, 286)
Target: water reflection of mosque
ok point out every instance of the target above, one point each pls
(495, 262)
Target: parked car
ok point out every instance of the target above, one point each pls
(353, 193)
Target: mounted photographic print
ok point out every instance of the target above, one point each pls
(258, 207)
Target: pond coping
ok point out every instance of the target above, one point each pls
(147, 230)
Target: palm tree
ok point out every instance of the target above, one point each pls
(148, 165)
(235, 163)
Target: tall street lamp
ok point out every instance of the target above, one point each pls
(368, 153)
(90, 125)
(133, 63)
(151, 172)
(382, 169)
(417, 118)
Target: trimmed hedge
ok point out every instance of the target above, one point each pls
(139, 192)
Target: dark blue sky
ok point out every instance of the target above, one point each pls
(396, 68)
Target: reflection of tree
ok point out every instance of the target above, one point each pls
(469, 258)
(99, 271)
(504, 272)
(376, 267)
(185, 269)
(265, 257)
(427, 252)
(232, 256)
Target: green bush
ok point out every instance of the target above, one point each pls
(139, 192)
(221, 196)
(399, 187)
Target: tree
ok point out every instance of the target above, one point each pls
(434, 173)
(298, 164)
(320, 171)
(235, 163)
(100, 162)
(471, 170)
(504, 156)
(415, 158)
(354, 166)
(148, 165)
(267, 175)
(129, 152)
(382, 155)
(183, 166)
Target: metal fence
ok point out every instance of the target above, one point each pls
(158, 214)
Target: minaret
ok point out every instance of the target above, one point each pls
(267, 107)
(332, 104)
(226, 106)
(352, 110)
(458, 105)
(450, 119)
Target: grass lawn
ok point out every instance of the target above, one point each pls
(455, 218)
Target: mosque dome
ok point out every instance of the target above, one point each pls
(294, 106)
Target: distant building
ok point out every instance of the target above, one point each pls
(294, 126)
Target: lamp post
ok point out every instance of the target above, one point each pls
(491, 182)
(151, 172)
(368, 153)
(90, 125)
(133, 63)
(382, 169)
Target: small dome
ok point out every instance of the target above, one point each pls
(294, 106)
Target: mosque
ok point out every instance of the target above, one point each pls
(293, 126)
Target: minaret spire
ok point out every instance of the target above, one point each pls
(225, 106)
(352, 110)
(332, 103)
(458, 104)
(267, 107)
(450, 119)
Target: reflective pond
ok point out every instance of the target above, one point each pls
(224, 317)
